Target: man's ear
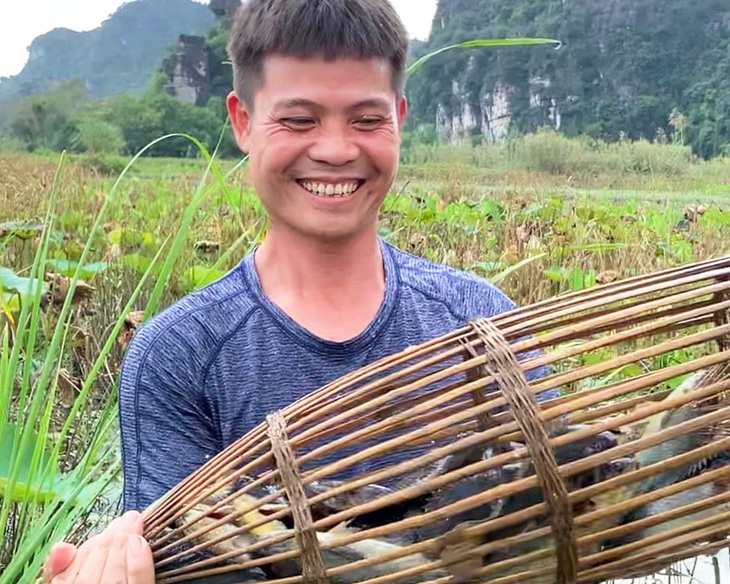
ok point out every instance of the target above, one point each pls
(402, 109)
(240, 120)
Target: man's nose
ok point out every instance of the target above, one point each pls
(335, 146)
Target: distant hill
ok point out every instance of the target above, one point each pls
(121, 55)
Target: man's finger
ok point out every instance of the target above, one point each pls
(91, 547)
(124, 547)
(140, 565)
(59, 558)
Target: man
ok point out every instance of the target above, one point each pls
(318, 105)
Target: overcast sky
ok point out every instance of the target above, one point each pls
(22, 21)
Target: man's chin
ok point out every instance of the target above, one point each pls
(336, 235)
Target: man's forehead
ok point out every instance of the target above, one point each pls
(287, 69)
(343, 83)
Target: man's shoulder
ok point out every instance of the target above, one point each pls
(196, 322)
(463, 292)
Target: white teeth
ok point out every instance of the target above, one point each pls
(330, 190)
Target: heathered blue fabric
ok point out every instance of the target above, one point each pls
(211, 366)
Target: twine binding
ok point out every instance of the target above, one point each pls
(313, 566)
(502, 364)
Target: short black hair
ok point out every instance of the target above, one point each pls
(332, 29)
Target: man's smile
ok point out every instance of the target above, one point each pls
(331, 189)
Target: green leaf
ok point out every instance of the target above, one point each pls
(487, 267)
(125, 237)
(675, 382)
(507, 42)
(201, 276)
(9, 301)
(68, 268)
(556, 273)
(597, 356)
(597, 247)
(20, 229)
(491, 210)
(24, 462)
(579, 279)
(623, 372)
(11, 282)
(135, 261)
(521, 264)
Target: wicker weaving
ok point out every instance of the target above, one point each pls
(439, 463)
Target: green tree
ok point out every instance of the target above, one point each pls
(100, 137)
(44, 121)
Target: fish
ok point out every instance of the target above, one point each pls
(444, 530)
(199, 517)
(343, 501)
(458, 542)
(564, 454)
(477, 483)
(226, 530)
(686, 497)
(547, 561)
(452, 544)
(334, 557)
(667, 449)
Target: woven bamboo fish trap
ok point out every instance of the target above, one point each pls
(443, 462)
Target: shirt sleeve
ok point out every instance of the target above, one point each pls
(166, 425)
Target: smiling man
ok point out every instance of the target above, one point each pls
(318, 106)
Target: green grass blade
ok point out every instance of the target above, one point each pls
(507, 42)
(513, 268)
(188, 216)
(23, 432)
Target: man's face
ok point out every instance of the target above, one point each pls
(323, 141)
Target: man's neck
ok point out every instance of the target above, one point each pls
(333, 289)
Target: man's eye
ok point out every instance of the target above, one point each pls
(369, 121)
(298, 123)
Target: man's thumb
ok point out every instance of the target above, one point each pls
(59, 558)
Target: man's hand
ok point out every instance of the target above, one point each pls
(118, 555)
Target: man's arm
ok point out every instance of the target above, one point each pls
(167, 428)
(167, 433)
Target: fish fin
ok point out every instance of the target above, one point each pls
(341, 529)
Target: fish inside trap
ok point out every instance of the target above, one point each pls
(250, 527)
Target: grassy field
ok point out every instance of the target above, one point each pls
(537, 228)
(538, 217)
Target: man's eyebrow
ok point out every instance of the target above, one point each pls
(294, 102)
(301, 102)
(372, 102)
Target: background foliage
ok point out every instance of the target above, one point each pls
(657, 70)
(626, 67)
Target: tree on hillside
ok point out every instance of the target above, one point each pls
(43, 121)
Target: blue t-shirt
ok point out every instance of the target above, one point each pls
(211, 367)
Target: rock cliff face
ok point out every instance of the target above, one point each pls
(623, 66)
(189, 70)
(186, 71)
(224, 9)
